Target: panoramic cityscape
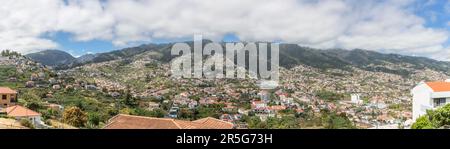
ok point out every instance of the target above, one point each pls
(343, 64)
(137, 91)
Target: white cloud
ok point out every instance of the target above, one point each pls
(373, 25)
(447, 7)
(86, 19)
(22, 24)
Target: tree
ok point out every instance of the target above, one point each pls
(286, 122)
(187, 114)
(255, 122)
(440, 117)
(6, 53)
(422, 122)
(335, 121)
(129, 99)
(434, 119)
(213, 110)
(94, 118)
(329, 96)
(143, 112)
(158, 113)
(33, 105)
(75, 117)
(49, 113)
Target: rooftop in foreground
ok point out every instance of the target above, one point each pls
(123, 121)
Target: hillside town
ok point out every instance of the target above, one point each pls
(98, 95)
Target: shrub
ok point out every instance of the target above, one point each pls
(26, 123)
(75, 117)
(422, 122)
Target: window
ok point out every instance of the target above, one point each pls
(4, 97)
(12, 99)
(439, 102)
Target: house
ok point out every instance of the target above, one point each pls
(208, 101)
(226, 117)
(264, 95)
(277, 108)
(8, 97)
(19, 112)
(91, 87)
(149, 105)
(258, 104)
(56, 87)
(55, 107)
(123, 121)
(29, 84)
(429, 96)
(52, 81)
(356, 99)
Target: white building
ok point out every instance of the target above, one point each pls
(356, 99)
(429, 95)
(19, 112)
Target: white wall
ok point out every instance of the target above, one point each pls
(33, 119)
(355, 98)
(421, 100)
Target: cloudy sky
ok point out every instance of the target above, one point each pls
(419, 28)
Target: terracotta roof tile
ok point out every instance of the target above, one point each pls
(19, 111)
(7, 90)
(439, 86)
(122, 121)
(138, 122)
(210, 122)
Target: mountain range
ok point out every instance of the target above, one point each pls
(291, 55)
(52, 57)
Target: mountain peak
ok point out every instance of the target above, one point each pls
(51, 57)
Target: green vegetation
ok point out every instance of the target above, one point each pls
(75, 117)
(439, 118)
(142, 112)
(423, 122)
(330, 96)
(5, 73)
(94, 119)
(335, 121)
(327, 120)
(214, 110)
(93, 108)
(26, 123)
(7, 53)
(151, 65)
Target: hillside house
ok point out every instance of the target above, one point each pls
(429, 96)
(19, 112)
(8, 97)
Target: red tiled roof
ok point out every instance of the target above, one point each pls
(439, 86)
(7, 90)
(122, 121)
(19, 111)
(210, 122)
